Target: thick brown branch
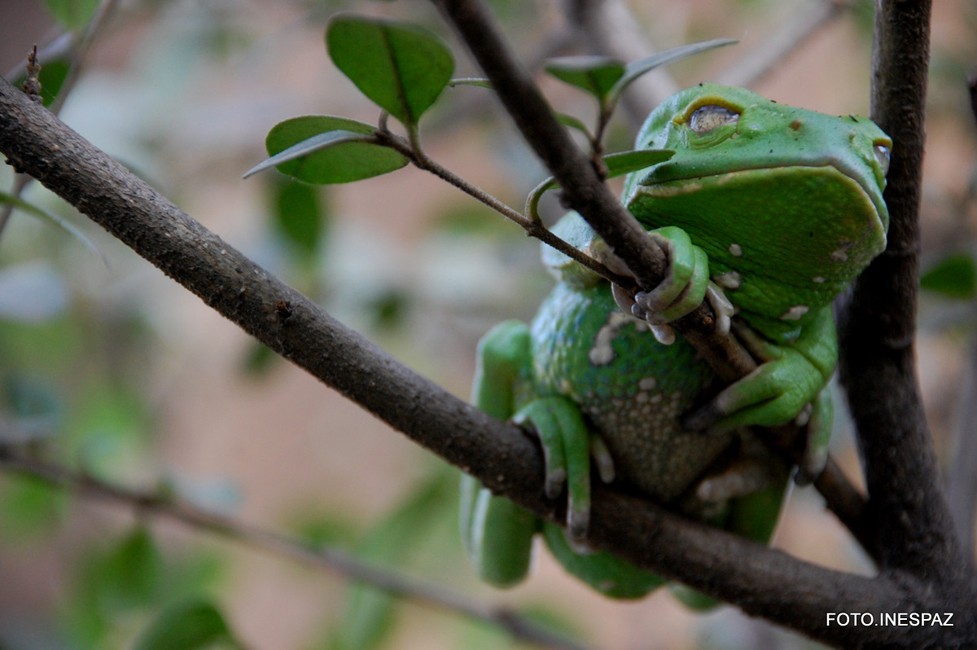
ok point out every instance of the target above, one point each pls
(876, 329)
(763, 581)
(906, 509)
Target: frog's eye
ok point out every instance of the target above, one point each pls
(882, 155)
(706, 118)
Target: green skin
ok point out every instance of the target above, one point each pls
(778, 208)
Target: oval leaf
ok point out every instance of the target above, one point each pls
(955, 276)
(573, 123)
(616, 163)
(596, 75)
(637, 68)
(625, 162)
(322, 149)
(72, 14)
(399, 66)
(132, 573)
(186, 626)
(299, 216)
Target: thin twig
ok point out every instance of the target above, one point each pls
(532, 227)
(393, 582)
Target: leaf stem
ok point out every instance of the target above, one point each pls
(533, 227)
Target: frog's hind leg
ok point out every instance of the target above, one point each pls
(497, 533)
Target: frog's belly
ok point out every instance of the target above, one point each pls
(632, 389)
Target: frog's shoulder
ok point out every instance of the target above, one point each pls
(572, 229)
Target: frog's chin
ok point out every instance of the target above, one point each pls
(868, 186)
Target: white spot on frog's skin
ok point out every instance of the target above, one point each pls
(818, 279)
(795, 313)
(841, 254)
(736, 250)
(602, 353)
(729, 280)
(647, 383)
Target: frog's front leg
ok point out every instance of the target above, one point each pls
(790, 385)
(790, 377)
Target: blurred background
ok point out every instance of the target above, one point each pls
(113, 371)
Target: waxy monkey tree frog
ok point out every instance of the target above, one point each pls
(767, 211)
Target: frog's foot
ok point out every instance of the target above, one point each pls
(775, 393)
(567, 449)
(685, 286)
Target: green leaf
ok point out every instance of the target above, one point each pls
(107, 427)
(617, 164)
(399, 66)
(573, 123)
(299, 216)
(131, 575)
(29, 508)
(369, 612)
(187, 626)
(72, 14)
(322, 149)
(625, 162)
(637, 68)
(955, 276)
(258, 359)
(52, 76)
(596, 75)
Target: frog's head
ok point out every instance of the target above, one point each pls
(785, 200)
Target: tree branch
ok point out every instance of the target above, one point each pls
(877, 323)
(906, 509)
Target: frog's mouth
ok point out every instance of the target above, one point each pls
(682, 178)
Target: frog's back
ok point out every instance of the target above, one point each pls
(632, 389)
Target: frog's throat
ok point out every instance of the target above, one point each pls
(870, 188)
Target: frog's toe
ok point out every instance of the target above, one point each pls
(602, 459)
(722, 308)
(566, 444)
(818, 433)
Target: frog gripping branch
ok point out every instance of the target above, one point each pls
(763, 211)
(766, 211)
